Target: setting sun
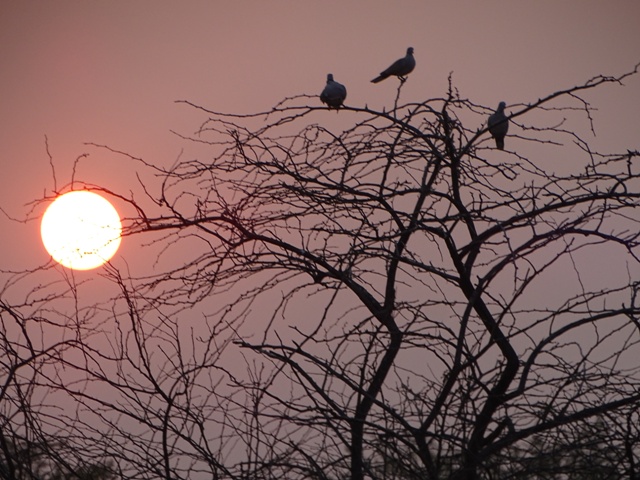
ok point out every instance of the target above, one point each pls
(81, 230)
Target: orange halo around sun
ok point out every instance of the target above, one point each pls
(81, 230)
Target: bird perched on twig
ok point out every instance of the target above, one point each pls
(400, 68)
(334, 93)
(499, 125)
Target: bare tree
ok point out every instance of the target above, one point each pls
(391, 299)
(37, 424)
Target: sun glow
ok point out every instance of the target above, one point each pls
(81, 230)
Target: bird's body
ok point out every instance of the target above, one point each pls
(499, 125)
(400, 68)
(333, 94)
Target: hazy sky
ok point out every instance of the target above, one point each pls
(109, 72)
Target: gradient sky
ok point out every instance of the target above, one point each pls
(109, 72)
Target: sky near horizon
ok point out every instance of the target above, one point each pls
(109, 72)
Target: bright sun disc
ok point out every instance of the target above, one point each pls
(81, 230)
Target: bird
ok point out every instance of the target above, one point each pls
(400, 68)
(499, 125)
(334, 93)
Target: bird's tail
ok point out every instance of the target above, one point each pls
(378, 79)
(500, 143)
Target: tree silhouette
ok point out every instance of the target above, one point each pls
(391, 299)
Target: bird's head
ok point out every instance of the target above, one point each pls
(501, 106)
(329, 77)
(410, 51)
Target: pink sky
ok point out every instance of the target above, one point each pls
(109, 72)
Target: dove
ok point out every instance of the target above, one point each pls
(334, 93)
(499, 125)
(400, 68)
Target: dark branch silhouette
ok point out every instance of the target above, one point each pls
(392, 300)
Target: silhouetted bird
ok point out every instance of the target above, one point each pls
(499, 125)
(400, 68)
(334, 93)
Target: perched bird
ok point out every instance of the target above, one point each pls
(400, 68)
(499, 125)
(334, 93)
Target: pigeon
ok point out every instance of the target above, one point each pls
(499, 125)
(334, 93)
(400, 68)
